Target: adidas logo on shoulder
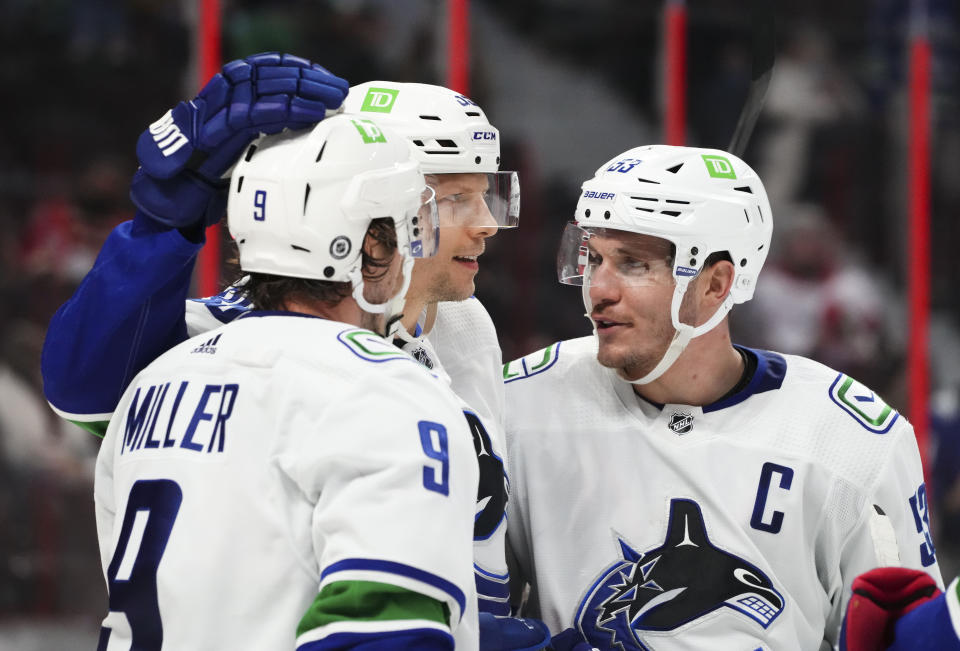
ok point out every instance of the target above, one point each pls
(209, 347)
(167, 134)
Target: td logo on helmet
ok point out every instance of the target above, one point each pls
(379, 100)
(718, 167)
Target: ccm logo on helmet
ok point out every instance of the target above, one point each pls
(593, 194)
(484, 135)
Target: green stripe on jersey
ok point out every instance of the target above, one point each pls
(369, 601)
(97, 428)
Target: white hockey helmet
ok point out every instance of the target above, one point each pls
(300, 203)
(702, 201)
(447, 133)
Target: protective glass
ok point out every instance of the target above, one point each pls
(476, 200)
(423, 226)
(587, 256)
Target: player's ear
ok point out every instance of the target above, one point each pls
(718, 281)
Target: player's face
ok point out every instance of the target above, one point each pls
(631, 289)
(465, 223)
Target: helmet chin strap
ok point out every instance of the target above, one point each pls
(684, 333)
(392, 308)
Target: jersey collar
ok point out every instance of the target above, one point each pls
(768, 376)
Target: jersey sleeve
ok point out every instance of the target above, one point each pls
(394, 484)
(466, 342)
(894, 524)
(127, 311)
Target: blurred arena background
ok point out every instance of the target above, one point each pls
(569, 83)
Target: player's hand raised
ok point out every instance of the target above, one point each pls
(184, 154)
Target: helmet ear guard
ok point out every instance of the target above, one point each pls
(703, 201)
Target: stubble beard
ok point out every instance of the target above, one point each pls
(443, 288)
(631, 361)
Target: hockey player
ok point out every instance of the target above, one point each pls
(899, 609)
(672, 490)
(247, 497)
(130, 307)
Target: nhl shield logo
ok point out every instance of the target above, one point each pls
(681, 422)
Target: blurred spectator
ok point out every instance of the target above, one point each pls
(816, 299)
(807, 92)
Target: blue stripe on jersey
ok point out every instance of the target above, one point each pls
(227, 305)
(425, 639)
(400, 569)
(496, 608)
(493, 591)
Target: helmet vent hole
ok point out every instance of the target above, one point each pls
(239, 184)
(328, 271)
(678, 201)
(299, 248)
(745, 188)
(760, 212)
(242, 241)
(747, 215)
(694, 250)
(693, 262)
(648, 181)
(445, 142)
(670, 213)
(654, 199)
(306, 195)
(477, 160)
(675, 168)
(644, 209)
(498, 160)
(743, 262)
(473, 114)
(250, 151)
(586, 213)
(606, 214)
(418, 143)
(430, 117)
(320, 155)
(760, 248)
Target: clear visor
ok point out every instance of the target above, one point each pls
(478, 199)
(423, 227)
(590, 256)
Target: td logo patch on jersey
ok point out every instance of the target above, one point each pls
(676, 583)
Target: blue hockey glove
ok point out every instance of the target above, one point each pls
(570, 640)
(184, 154)
(512, 633)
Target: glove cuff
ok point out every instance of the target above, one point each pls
(184, 201)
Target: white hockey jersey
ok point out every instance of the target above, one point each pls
(739, 525)
(268, 484)
(463, 349)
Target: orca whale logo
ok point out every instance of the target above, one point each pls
(492, 489)
(664, 588)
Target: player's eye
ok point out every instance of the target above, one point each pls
(633, 267)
